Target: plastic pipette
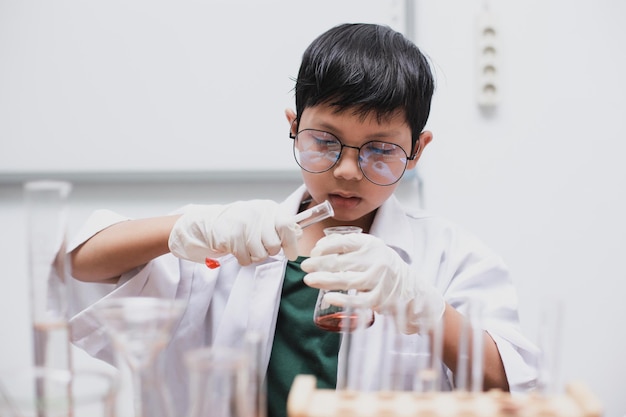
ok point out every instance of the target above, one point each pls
(305, 218)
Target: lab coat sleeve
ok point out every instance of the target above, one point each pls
(98, 221)
(160, 278)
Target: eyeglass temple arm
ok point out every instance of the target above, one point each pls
(412, 157)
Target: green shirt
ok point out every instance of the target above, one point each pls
(299, 346)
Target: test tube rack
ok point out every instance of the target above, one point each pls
(305, 400)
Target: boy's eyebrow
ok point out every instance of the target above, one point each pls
(324, 126)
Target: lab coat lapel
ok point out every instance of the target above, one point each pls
(268, 284)
(392, 226)
(253, 305)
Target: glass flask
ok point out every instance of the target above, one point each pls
(330, 317)
(218, 383)
(140, 328)
(46, 222)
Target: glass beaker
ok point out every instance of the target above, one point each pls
(46, 223)
(218, 383)
(334, 318)
(140, 328)
(47, 392)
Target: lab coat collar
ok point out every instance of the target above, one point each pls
(390, 223)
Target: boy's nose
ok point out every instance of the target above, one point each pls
(348, 165)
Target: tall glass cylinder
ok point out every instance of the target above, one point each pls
(549, 340)
(256, 391)
(470, 359)
(46, 223)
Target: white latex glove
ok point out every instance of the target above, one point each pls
(383, 280)
(250, 230)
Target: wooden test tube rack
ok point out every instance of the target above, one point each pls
(305, 400)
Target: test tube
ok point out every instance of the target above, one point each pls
(549, 340)
(314, 214)
(470, 361)
(478, 347)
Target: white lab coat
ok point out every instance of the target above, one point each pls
(225, 303)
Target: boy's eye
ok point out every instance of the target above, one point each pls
(324, 141)
(381, 148)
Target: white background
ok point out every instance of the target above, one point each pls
(541, 180)
(147, 76)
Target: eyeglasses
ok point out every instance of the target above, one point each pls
(382, 163)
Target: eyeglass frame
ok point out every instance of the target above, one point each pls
(358, 148)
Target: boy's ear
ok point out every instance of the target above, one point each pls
(291, 118)
(425, 138)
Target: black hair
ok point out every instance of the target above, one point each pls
(366, 68)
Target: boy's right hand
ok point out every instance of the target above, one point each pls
(250, 230)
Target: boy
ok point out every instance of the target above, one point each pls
(363, 97)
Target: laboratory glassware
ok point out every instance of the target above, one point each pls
(430, 355)
(256, 396)
(330, 317)
(470, 359)
(549, 341)
(84, 393)
(315, 214)
(410, 361)
(218, 383)
(46, 218)
(353, 373)
(140, 328)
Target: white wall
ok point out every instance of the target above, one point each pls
(541, 180)
(99, 75)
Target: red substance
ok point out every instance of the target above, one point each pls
(334, 322)
(211, 263)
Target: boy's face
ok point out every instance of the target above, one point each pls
(353, 196)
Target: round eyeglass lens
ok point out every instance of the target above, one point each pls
(382, 163)
(316, 151)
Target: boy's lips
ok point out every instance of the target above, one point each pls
(343, 201)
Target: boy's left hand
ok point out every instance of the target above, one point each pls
(365, 263)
